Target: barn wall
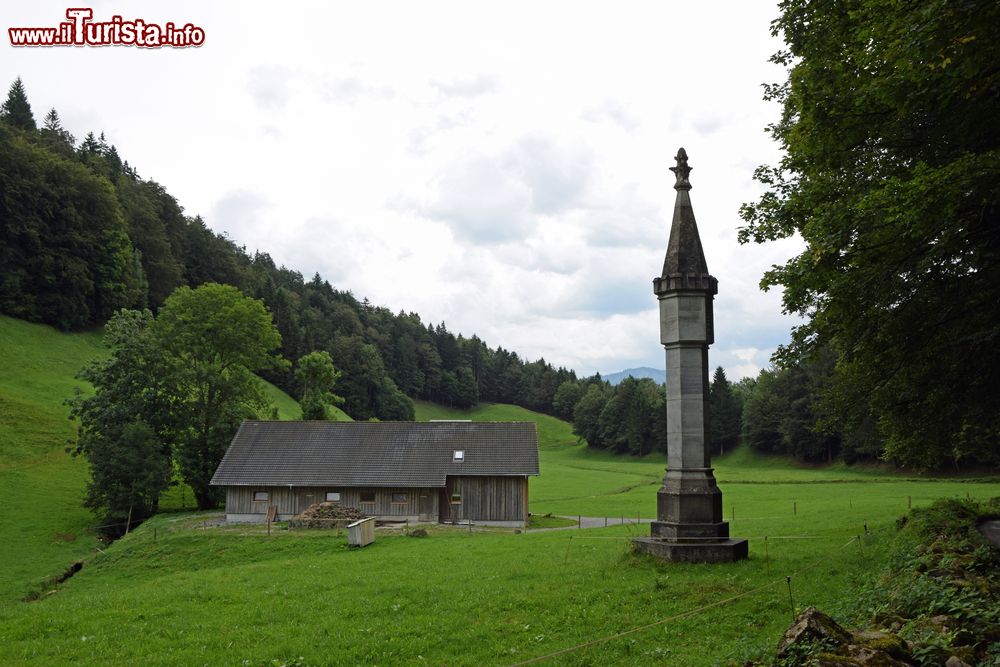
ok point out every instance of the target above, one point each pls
(291, 501)
(486, 499)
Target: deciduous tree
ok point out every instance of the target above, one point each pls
(215, 338)
(318, 377)
(891, 176)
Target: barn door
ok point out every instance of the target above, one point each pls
(425, 505)
(305, 499)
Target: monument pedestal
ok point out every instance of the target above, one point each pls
(723, 551)
(690, 528)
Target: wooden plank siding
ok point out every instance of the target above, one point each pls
(485, 499)
(291, 501)
(496, 498)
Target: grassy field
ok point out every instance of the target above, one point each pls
(44, 527)
(180, 590)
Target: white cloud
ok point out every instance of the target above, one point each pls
(268, 86)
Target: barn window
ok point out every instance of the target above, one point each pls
(399, 499)
(333, 496)
(261, 496)
(459, 455)
(367, 496)
(456, 498)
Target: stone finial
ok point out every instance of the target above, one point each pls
(684, 266)
(682, 170)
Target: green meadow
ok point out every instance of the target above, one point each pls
(181, 590)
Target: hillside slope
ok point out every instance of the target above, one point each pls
(41, 486)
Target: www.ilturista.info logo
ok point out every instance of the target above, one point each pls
(81, 30)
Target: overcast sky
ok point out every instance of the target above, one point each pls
(501, 167)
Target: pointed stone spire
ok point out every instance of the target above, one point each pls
(684, 266)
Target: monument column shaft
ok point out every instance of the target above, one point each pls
(687, 408)
(685, 331)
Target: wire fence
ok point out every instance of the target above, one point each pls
(786, 580)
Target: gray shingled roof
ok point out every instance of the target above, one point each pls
(319, 453)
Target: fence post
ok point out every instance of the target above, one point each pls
(767, 559)
(791, 602)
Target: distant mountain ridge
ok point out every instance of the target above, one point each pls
(657, 374)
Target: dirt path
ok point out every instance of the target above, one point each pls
(593, 522)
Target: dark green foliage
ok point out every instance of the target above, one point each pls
(56, 137)
(124, 431)
(630, 418)
(891, 175)
(16, 110)
(127, 476)
(942, 584)
(148, 210)
(587, 414)
(781, 414)
(65, 256)
(317, 375)
(726, 413)
(565, 399)
(634, 420)
(391, 404)
(183, 381)
(215, 338)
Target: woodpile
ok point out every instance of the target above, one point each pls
(326, 515)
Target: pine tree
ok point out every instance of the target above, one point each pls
(726, 413)
(52, 123)
(16, 110)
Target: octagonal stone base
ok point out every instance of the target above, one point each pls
(718, 551)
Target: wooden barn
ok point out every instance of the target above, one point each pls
(416, 471)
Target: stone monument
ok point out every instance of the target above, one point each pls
(689, 525)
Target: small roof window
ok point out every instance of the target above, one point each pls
(459, 455)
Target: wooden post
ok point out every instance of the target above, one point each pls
(128, 524)
(795, 507)
(605, 522)
(791, 602)
(579, 521)
(909, 502)
(767, 559)
(154, 534)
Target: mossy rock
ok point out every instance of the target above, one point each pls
(886, 642)
(831, 660)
